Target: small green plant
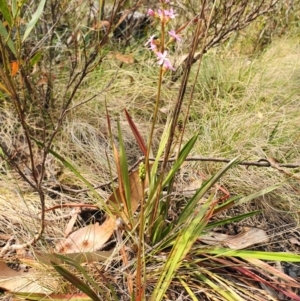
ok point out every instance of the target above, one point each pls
(160, 236)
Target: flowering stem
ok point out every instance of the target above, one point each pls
(161, 71)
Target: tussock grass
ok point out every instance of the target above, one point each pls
(249, 107)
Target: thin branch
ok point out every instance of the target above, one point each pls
(259, 163)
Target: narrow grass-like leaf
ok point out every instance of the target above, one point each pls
(273, 271)
(15, 7)
(138, 137)
(191, 205)
(34, 19)
(188, 289)
(76, 265)
(181, 247)
(7, 38)
(6, 12)
(182, 156)
(230, 203)
(75, 281)
(51, 297)
(161, 148)
(274, 256)
(224, 290)
(154, 179)
(231, 220)
(4, 89)
(124, 173)
(36, 58)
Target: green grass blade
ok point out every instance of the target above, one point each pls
(231, 220)
(182, 156)
(190, 207)
(7, 38)
(181, 247)
(161, 148)
(76, 265)
(125, 173)
(230, 203)
(188, 289)
(34, 19)
(50, 297)
(75, 281)
(6, 12)
(274, 256)
(257, 194)
(227, 293)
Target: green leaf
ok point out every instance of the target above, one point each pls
(161, 147)
(125, 173)
(76, 265)
(4, 9)
(231, 220)
(245, 199)
(7, 38)
(75, 281)
(274, 256)
(182, 156)
(51, 297)
(34, 19)
(15, 7)
(193, 202)
(35, 59)
(184, 241)
(224, 290)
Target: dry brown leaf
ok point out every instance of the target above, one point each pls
(46, 258)
(92, 237)
(72, 221)
(88, 239)
(294, 241)
(126, 59)
(22, 280)
(247, 238)
(123, 58)
(136, 195)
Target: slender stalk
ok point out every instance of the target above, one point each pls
(140, 287)
(159, 85)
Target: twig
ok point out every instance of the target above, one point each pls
(259, 163)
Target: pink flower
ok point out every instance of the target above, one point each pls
(170, 13)
(151, 42)
(151, 12)
(173, 34)
(161, 14)
(167, 65)
(162, 57)
(165, 15)
(164, 1)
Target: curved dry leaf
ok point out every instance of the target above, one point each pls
(247, 238)
(136, 195)
(88, 239)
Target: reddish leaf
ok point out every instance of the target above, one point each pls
(138, 137)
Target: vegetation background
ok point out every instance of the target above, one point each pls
(68, 71)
